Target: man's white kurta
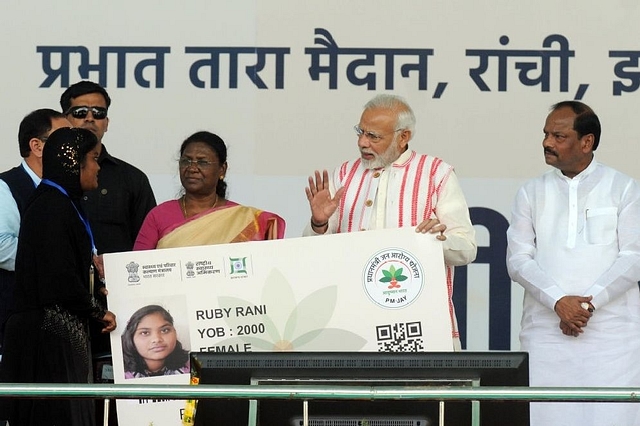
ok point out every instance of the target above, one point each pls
(414, 188)
(579, 236)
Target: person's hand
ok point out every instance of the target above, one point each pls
(433, 226)
(98, 262)
(109, 320)
(573, 315)
(566, 329)
(320, 201)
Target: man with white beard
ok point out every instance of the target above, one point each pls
(391, 186)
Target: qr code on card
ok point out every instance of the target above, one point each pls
(400, 337)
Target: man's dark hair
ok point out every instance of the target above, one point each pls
(84, 87)
(586, 120)
(36, 124)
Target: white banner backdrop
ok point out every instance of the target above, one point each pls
(283, 82)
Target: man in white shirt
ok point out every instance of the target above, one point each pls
(16, 186)
(574, 245)
(391, 186)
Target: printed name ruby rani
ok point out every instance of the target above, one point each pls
(240, 311)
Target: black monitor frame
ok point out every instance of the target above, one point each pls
(492, 368)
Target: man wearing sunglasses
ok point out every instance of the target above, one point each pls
(16, 186)
(124, 196)
(392, 186)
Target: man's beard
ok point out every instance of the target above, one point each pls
(379, 161)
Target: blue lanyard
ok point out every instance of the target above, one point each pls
(82, 218)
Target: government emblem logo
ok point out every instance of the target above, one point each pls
(132, 269)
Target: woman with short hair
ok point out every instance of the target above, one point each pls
(203, 215)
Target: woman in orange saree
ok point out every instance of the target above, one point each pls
(203, 216)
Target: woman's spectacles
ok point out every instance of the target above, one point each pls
(200, 164)
(98, 113)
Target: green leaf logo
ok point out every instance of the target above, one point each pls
(393, 276)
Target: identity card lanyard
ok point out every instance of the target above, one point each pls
(85, 222)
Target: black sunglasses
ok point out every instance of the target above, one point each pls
(98, 113)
